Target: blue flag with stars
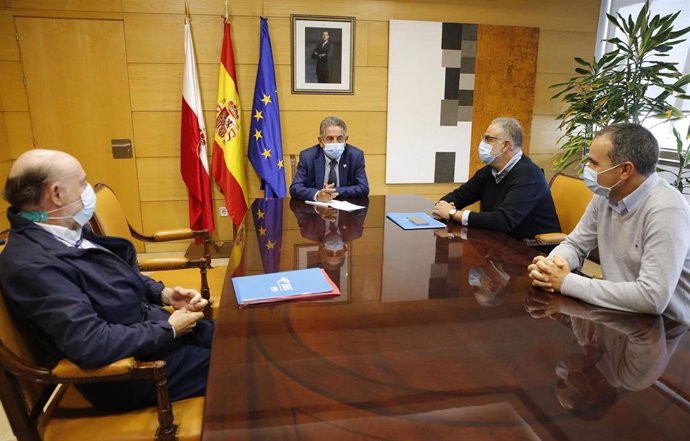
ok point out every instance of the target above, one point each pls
(268, 221)
(265, 143)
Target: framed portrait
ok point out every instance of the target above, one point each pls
(323, 51)
(308, 255)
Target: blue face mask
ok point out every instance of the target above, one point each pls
(334, 150)
(591, 179)
(485, 153)
(88, 200)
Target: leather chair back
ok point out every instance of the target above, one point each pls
(14, 345)
(571, 197)
(109, 219)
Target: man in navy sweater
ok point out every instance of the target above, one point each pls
(513, 193)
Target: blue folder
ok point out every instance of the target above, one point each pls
(311, 283)
(403, 220)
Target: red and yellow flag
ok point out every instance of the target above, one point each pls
(228, 167)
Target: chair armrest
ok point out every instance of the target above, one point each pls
(160, 264)
(550, 238)
(176, 234)
(172, 263)
(67, 370)
(172, 234)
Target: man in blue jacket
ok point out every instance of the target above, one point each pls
(331, 168)
(82, 297)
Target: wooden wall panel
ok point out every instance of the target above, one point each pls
(155, 54)
(71, 5)
(554, 15)
(557, 50)
(371, 84)
(367, 130)
(18, 133)
(213, 7)
(12, 95)
(9, 50)
(371, 10)
(543, 104)
(5, 165)
(4, 139)
(371, 43)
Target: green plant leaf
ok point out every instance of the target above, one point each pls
(582, 62)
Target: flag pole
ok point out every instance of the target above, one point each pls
(235, 231)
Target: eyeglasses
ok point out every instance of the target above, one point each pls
(489, 138)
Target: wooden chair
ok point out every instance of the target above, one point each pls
(571, 197)
(43, 405)
(109, 219)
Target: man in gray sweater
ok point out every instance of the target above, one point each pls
(639, 222)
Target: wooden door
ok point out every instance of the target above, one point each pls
(78, 91)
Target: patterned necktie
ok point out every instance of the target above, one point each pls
(332, 176)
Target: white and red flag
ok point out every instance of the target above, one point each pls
(193, 152)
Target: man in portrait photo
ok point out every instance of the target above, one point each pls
(324, 51)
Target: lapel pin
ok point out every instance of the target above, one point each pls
(344, 165)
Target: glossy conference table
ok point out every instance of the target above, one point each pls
(436, 336)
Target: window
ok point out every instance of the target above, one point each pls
(680, 54)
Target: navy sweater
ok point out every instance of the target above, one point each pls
(520, 205)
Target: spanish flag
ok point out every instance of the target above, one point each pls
(228, 147)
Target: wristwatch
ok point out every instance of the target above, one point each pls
(451, 213)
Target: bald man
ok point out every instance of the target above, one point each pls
(82, 296)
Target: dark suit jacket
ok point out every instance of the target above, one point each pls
(322, 70)
(312, 167)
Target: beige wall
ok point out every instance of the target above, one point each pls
(155, 56)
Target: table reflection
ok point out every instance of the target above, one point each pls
(333, 230)
(432, 341)
(617, 350)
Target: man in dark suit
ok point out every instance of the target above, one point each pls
(331, 168)
(320, 54)
(82, 297)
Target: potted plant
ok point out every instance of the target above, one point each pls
(620, 85)
(679, 167)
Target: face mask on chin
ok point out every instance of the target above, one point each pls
(88, 200)
(591, 179)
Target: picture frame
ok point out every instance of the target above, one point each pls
(323, 54)
(307, 256)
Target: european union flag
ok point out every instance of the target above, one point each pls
(265, 143)
(268, 221)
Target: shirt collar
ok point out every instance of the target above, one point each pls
(634, 199)
(71, 238)
(499, 175)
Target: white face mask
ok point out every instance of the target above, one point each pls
(88, 200)
(591, 179)
(485, 153)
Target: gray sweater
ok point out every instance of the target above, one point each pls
(645, 253)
